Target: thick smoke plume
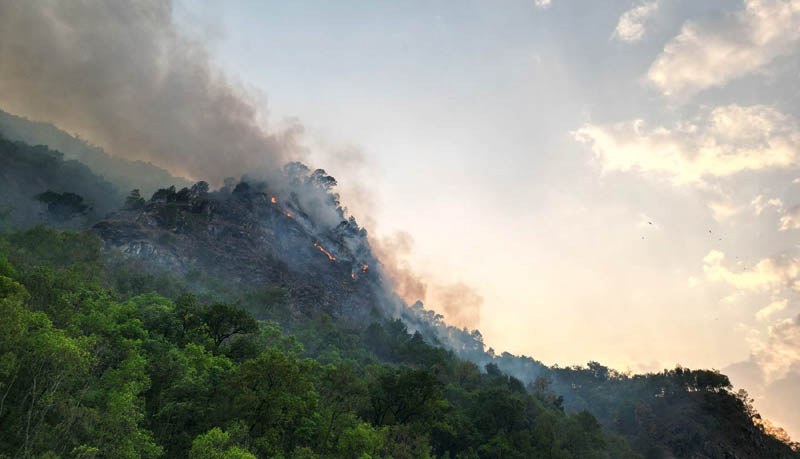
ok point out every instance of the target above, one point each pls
(120, 74)
(123, 76)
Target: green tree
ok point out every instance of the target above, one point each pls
(277, 401)
(217, 444)
(224, 320)
(134, 201)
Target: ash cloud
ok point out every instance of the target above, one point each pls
(122, 75)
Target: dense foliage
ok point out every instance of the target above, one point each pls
(89, 369)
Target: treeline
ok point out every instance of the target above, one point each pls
(674, 413)
(95, 361)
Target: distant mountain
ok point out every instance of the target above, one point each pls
(126, 175)
(28, 172)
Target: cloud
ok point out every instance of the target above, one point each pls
(728, 140)
(722, 210)
(712, 53)
(759, 204)
(779, 349)
(766, 275)
(791, 219)
(631, 25)
(772, 308)
(542, 3)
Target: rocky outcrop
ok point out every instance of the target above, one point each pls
(251, 238)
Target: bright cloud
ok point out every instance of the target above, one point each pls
(542, 3)
(767, 274)
(726, 141)
(722, 210)
(772, 308)
(759, 204)
(631, 25)
(791, 219)
(779, 350)
(704, 55)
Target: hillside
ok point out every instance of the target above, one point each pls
(29, 171)
(255, 321)
(125, 174)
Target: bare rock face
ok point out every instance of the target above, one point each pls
(253, 239)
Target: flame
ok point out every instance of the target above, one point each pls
(275, 201)
(322, 249)
(353, 275)
(364, 268)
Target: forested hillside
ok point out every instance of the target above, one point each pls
(97, 364)
(254, 321)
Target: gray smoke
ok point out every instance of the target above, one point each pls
(120, 74)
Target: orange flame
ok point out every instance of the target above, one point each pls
(322, 249)
(352, 275)
(273, 200)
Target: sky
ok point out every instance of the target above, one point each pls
(613, 181)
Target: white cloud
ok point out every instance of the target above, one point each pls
(542, 3)
(631, 25)
(791, 219)
(759, 204)
(728, 140)
(722, 210)
(705, 55)
(766, 275)
(772, 308)
(779, 350)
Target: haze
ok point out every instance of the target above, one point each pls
(611, 181)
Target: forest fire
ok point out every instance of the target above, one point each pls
(322, 249)
(275, 201)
